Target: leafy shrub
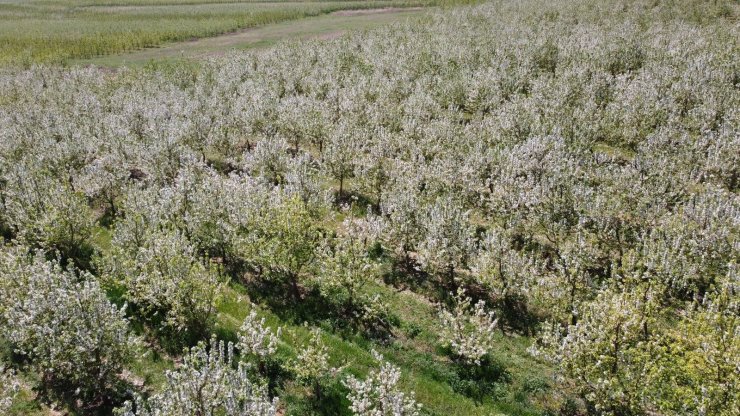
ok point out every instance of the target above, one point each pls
(344, 270)
(311, 366)
(167, 283)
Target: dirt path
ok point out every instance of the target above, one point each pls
(328, 26)
(363, 12)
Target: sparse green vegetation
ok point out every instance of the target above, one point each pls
(42, 31)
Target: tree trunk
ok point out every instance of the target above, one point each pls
(341, 187)
(451, 278)
(317, 390)
(294, 286)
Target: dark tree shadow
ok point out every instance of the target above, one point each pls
(514, 314)
(331, 402)
(479, 382)
(311, 307)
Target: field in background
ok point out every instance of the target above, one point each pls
(57, 31)
(327, 26)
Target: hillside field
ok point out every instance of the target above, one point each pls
(326, 26)
(58, 31)
(507, 207)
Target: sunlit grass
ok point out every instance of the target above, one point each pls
(425, 367)
(55, 31)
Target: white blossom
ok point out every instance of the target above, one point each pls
(378, 394)
(208, 383)
(468, 329)
(64, 325)
(9, 387)
(257, 339)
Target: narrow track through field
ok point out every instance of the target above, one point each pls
(321, 27)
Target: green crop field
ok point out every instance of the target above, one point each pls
(327, 26)
(56, 31)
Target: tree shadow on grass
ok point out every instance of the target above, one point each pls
(405, 274)
(479, 382)
(60, 392)
(331, 402)
(316, 310)
(515, 314)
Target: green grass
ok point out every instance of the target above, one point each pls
(324, 26)
(426, 368)
(56, 31)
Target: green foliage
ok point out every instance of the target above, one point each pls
(42, 32)
(311, 366)
(699, 375)
(167, 284)
(607, 352)
(285, 241)
(344, 270)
